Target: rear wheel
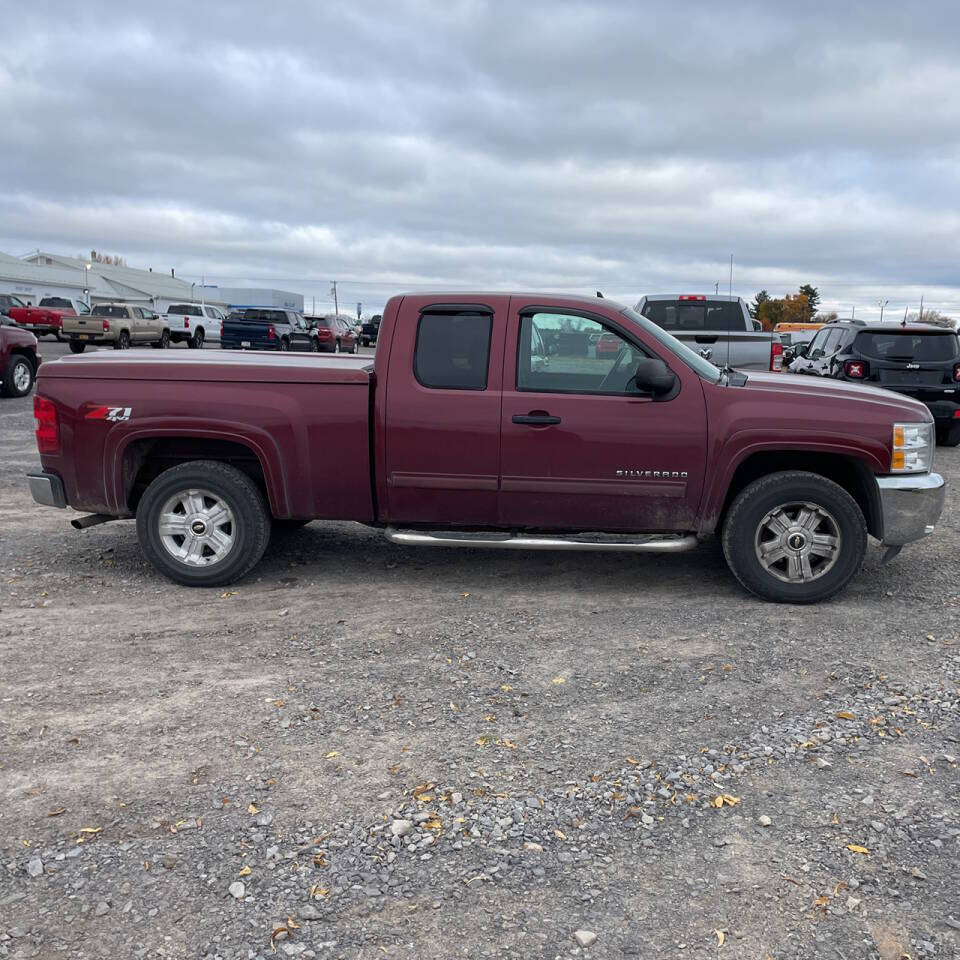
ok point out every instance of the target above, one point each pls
(123, 341)
(314, 345)
(794, 537)
(203, 523)
(196, 341)
(17, 377)
(76, 347)
(284, 345)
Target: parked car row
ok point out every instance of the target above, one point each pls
(916, 360)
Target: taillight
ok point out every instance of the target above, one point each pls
(45, 421)
(270, 334)
(776, 356)
(855, 369)
(956, 372)
(106, 325)
(324, 334)
(186, 323)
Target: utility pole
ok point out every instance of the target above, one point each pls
(920, 318)
(730, 287)
(313, 309)
(333, 292)
(716, 287)
(881, 303)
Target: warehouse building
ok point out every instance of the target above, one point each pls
(237, 297)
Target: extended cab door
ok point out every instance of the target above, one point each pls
(442, 412)
(580, 447)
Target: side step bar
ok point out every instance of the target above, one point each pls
(630, 543)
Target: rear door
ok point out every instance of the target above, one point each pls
(442, 412)
(580, 447)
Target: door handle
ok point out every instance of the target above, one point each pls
(700, 338)
(535, 419)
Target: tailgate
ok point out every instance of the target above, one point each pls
(747, 350)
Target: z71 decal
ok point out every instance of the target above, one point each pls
(113, 414)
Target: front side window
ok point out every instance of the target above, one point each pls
(817, 344)
(453, 350)
(568, 353)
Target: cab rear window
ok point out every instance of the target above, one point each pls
(909, 345)
(681, 315)
(56, 302)
(185, 309)
(106, 310)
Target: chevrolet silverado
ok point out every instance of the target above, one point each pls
(490, 420)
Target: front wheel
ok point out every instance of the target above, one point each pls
(203, 523)
(76, 347)
(336, 347)
(314, 345)
(164, 342)
(284, 346)
(17, 377)
(949, 436)
(794, 537)
(356, 346)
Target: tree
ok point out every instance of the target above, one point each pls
(791, 309)
(813, 298)
(934, 318)
(111, 260)
(761, 297)
(826, 317)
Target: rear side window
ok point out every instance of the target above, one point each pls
(909, 345)
(694, 315)
(453, 350)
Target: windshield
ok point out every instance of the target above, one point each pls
(693, 360)
(908, 345)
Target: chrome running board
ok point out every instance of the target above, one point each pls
(628, 543)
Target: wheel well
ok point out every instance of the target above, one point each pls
(145, 460)
(853, 475)
(27, 353)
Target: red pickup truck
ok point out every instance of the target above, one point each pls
(48, 316)
(19, 359)
(490, 420)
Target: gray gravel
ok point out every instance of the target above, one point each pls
(369, 752)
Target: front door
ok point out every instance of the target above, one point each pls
(442, 419)
(581, 448)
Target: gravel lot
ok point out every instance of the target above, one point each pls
(364, 751)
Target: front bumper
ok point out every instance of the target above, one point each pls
(47, 488)
(911, 506)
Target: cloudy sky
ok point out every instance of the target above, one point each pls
(545, 145)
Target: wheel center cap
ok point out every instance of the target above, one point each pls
(796, 541)
(198, 528)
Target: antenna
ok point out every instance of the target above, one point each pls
(730, 297)
(730, 287)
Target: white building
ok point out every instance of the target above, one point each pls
(238, 297)
(106, 282)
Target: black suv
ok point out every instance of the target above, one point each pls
(370, 330)
(920, 361)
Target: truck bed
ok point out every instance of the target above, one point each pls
(251, 366)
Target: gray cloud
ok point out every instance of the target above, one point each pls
(554, 145)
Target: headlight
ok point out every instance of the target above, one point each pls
(912, 448)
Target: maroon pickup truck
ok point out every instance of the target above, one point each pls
(490, 420)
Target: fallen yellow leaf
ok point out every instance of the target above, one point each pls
(91, 829)
(632, 762)
(856, 848)
(253, 809)
(559, 680)
(844, 715)
(720, 937)
(245, 872)
(331, 755)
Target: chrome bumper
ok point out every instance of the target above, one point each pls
(911, 506)
(47, 488)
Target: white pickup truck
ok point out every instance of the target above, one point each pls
(717, 327)
(194, 323)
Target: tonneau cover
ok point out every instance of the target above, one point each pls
(212, 366)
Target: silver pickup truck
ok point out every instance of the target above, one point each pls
(718, 327)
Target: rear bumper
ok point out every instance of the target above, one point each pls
(911, 506)
(47, 489)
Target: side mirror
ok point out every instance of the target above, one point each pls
(654, 376)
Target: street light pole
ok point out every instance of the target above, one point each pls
(86, 283)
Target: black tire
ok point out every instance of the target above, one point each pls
(123, 341)
(164, 342)
(196, 341)
(57, 336)
(356, 346)
(314, 345)
(949, 436)
(76, 347)
(250, 528)
(336, 347)
(284, 345)
(18, 376)
(744, 526)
